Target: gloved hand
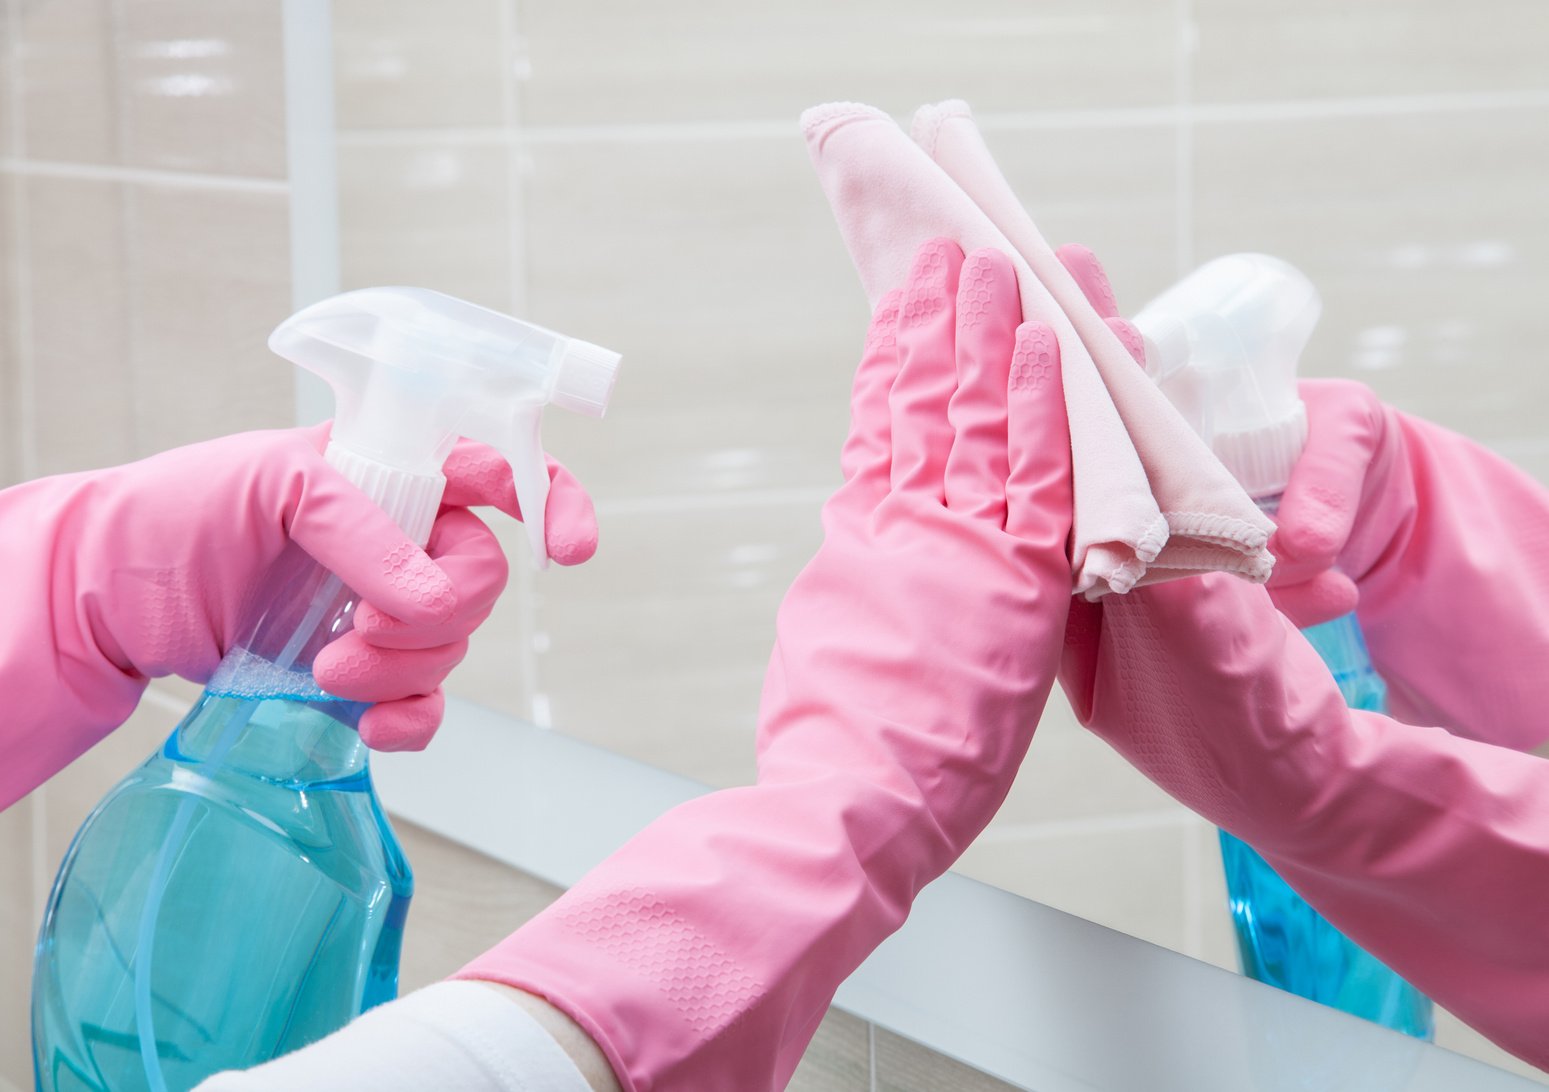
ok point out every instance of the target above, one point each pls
(1428, 850)
(124, 574)
(913, 657)
(1423, 533)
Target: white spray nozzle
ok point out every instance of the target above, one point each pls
(1223, 344)
(412, 370)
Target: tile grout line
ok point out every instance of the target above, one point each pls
(91, 172)
(1099, 117)
(1184, 137)
(516, 265)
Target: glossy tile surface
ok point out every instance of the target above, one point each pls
(406, 65)
(1428, 244)
(165, 84)
(1258, 49)
(1129, 876)
(211, 279)
(435, 215)
(79, 301)
(693, 60)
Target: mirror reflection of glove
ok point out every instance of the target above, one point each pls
(1430, 851)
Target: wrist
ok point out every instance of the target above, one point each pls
(579, 1046)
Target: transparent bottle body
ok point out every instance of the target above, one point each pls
(1281, 939)
(238, 895)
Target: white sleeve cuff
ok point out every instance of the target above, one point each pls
(460, 1035)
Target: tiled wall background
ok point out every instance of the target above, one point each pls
(632, 174)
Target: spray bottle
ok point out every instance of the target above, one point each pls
(1223, 344)
(241, 893)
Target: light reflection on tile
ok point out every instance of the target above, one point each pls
(402, 64)
(201, 86)
(694, 59)
(1259, 49)
(1427, 243)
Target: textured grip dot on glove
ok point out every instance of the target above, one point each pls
(975, 292)
(928, 294)
(410, 572)
(1033, 361)
(647, 935)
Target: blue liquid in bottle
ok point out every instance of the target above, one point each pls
(239, 895)
(1284, 941)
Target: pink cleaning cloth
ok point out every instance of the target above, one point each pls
(1150, 500)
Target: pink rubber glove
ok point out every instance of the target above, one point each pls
(1429, 850)
(913, 657)
(1429, 533)
(120, 575)
(1424, 534)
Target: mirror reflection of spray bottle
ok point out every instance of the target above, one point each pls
(241, 893)
(1223, 344)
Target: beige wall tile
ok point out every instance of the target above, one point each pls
(1129, 879)
(405, 65)
(168, 84)
(464, 902)
(657, 648)
(1427, 238)
(211, 279)
(202, 86)
(1260, 49)
(83, 374)
(1069, 773)
(695, 59)
(1215, 937)
(1113, 189)
(11, 455)
(432, 215)
(905, 1066)
(68, 76)
(839, 1057)
(716, 270)
(18, 930)
(497, 671)
(1453, 1034)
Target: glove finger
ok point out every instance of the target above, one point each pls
(988, 310)
(468, 552)
(347, 534)
(1328, 595)
(1318, 509)
(1038, 490)
(1089, 274)
(407, 724)
(1130, 338)
(478, 475)
(354, 669)
(867, 454)
(927, 370)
